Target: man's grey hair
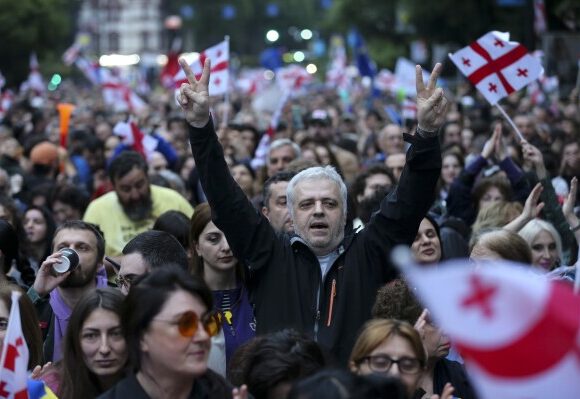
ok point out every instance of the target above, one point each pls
(284, 142)
(316, 173)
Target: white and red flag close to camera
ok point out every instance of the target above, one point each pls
(220, 60)
(14, 363)
(517, 331)
(496, 66)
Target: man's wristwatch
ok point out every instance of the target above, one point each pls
(575, 229)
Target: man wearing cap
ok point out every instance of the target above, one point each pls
(320, 129)
(45, 166)
(134, 205)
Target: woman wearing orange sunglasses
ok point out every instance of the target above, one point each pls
(169, 321)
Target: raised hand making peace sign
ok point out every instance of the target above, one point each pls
(431, 103)
(194, 96)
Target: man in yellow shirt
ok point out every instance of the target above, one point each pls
(134, 205)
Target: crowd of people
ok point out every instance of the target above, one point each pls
(226, 260)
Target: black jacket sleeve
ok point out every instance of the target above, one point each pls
(402, 210)
(249, 234)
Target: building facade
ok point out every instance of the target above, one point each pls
(123, 26)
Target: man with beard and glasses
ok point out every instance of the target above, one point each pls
(55, 295)
(321, 280)
(134, 205)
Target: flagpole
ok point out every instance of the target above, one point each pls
(510, 121)
(227, 93)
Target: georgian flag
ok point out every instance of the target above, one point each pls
(34, 81)
(517, 331)
(14, 363)
(251, 81)
(385, 81)
(132, 136)
(292, 77)
(219, 78)
(496, 66)
(118, 95)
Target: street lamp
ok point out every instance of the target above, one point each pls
(306, 34)
(272, 35)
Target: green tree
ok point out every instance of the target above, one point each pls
(28, 26)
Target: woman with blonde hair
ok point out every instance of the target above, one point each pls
(545, 243)
(496, 215)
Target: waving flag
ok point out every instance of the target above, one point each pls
(405, 77)
(292, 77)
(251, 81)
(34, 81)
(336, 75)
(220, 59)
(133, 137)
(14, 363)
(171, 68)
(91, 70)
(517, 331)
(496, 66)
(118, 95)
(82, 40)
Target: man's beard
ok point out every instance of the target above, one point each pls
(138, 210)
(79, 279)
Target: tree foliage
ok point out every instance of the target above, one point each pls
(28, 26)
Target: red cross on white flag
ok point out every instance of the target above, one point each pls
(517, 331)
(219, 79)
(14, 363)
(118, 95)
(496, 66)
(293, 77)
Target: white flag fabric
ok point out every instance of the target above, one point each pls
(118, 95)
(385, 81)
(496, 66)
(516, 330)
(405, 77)
(220, 59)
(292, 77)
(14, 363)
(34, 81)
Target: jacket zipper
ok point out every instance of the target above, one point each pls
(332, 295)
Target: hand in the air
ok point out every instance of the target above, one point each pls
(193, 97)
(431, 102)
